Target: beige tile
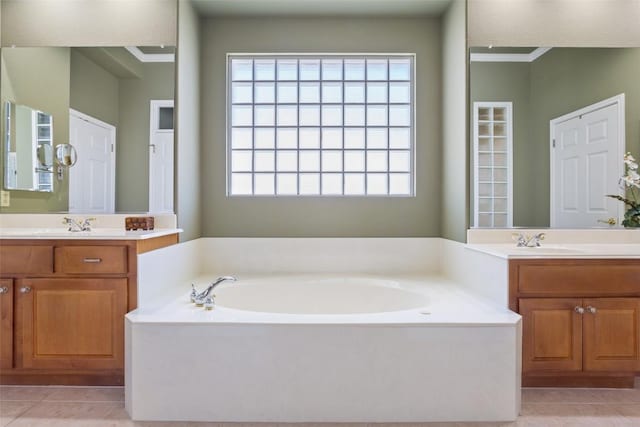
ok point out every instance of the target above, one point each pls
(580, 395)
(539, 422)
(86, 394)
(85, 414)
(32, 393)
(10, 410)
(570, 410)
(630, 411)
(445, 424)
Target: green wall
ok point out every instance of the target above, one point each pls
(188, 198)
(94, 90)
(321, 216)
(23, 82)
(508, 82)
(132, 154)
(560, 81)
(454, 201)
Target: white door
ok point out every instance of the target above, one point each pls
(92, 178)
(587, 150)
(161, 157)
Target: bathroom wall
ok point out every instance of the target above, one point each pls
(132, 155)
(454, 201)
(554, 23)
(88, 22)
(188, 194)
(322, 216)
(94, 90)
(24, 82)
(561, 81)
(508, 82)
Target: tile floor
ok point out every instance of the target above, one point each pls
(104, 406)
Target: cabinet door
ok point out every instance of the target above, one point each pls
(70, 323)
(611, 328)
(551, 334)
(6, 323)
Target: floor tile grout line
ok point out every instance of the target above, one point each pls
(33, 403)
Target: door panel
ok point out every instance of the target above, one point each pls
(91, 186)
(611, 334)
(551, 334)
(71, 323)
(161, 154)
(586, 168)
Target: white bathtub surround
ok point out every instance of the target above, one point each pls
(479, 273)
(443, 355)
(321, 255)
(111, 226)
(165, 274)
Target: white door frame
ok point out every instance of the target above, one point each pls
(112, 137)
(154, 108)
(619, 100)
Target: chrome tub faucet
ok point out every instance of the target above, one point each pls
(205, 298)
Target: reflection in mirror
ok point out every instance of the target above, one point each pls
(28, 139)
(66, 155)
(100, 99)
(586, 99)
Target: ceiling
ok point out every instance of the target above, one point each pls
(395, 8)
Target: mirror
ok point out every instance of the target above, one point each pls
(101, 101)
(545, 95)
(28, 148)
(66, 155)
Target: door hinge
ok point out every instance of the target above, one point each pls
(554, 143)
(112, 148)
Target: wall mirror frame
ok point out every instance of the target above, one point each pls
(99, 100)
(575, 112)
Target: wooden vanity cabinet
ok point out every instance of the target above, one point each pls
(70, 323)
(6, 324)
(581, 321)
(62, 315)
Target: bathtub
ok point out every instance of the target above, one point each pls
(303, 295)
(324, 348)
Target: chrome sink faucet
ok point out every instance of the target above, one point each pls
(526, 241)
(205, 298)
(75, 226)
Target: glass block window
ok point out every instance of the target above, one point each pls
(320, 125)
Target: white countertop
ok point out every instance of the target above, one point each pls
(566, 251)
(94, 234)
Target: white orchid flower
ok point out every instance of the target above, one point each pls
(630, 161)
(631, 181)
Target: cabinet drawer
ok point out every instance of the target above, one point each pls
(91, 259)
(16, 259)
(558, 278)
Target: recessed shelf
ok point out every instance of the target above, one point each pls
(492, 138)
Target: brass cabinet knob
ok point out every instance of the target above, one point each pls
(25, 289)
(591, 309)
(579, 310)
(4, 290)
